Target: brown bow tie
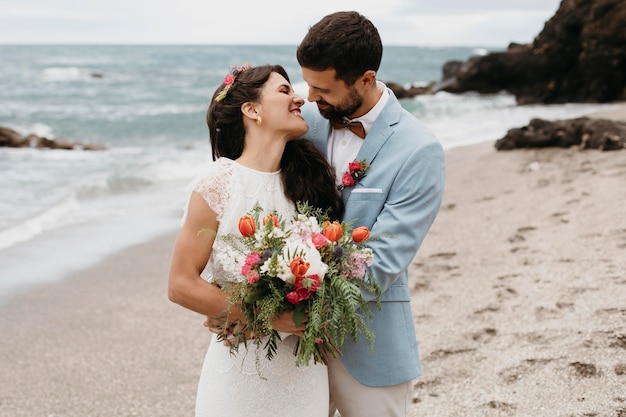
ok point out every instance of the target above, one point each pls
(355, 127)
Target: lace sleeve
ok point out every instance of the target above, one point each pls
(214, 187)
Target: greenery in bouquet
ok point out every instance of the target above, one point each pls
(308, 264)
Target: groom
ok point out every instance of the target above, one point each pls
(398, 199)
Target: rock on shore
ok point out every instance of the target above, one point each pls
(12, 139)
(584, 132)
(579, 56)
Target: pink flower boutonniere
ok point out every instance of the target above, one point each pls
(356, 171)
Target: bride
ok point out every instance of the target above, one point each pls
(254, 123)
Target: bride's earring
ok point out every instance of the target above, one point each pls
(259, 120)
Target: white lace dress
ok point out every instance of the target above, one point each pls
(230, 385)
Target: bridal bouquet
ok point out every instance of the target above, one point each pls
(309, 265)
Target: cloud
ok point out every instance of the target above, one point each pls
(493, 28)
(400, 22)
(457, 7)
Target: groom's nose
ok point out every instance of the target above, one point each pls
(313, 95)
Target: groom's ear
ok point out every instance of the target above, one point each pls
(368, 78)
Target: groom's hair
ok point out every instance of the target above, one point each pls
(345, 41)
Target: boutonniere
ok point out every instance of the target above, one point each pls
(356, 171)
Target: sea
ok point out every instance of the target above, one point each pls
(64, 210)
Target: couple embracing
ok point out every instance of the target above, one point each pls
(256, 125)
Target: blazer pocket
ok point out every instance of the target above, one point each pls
(367, 194)
(368, 190)
(366, 197)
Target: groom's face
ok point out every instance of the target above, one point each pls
(334, 98)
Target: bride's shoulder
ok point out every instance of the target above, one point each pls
(219, 170)
(214, 182)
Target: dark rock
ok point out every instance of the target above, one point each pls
(579, 56)
(584, 132)
(401, 92)
(10, 138)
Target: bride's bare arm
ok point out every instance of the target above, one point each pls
(186, 287)
(191, 253)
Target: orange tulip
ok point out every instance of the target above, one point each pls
(272, 216)
(360, 234)
(247, 226)
(332, 231)
(299, 267)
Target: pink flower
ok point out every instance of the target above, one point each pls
(310, 283)
(229, 79)
(356, 265)
(303, 294)
(303, 288)
(356, 171)
(252, 276)
(354, 166)
(347, 179)
(319, 240)
(293, 297)
(251, 260)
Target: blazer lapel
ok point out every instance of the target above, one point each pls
(381, 130)
(377, 137)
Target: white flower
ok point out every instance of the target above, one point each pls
(284, 272)
(307, 251)
(276, 232)
(302, 228)
(278, 267)
(230, 258)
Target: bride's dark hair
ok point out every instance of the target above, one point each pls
(306, 175)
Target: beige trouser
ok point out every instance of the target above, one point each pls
(350, 398)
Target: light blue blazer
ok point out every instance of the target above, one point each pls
(398, 200)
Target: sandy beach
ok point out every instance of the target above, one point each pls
(519, 295)
(520, 288)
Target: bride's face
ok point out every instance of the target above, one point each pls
(280, 108)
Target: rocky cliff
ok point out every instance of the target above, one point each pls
(579, 56)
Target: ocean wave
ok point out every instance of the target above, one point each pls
(55, 74)
(67, 187)
(479, 51)
(463, 119)
(85, 112)
(52, 217)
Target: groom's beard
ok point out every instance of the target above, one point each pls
(350, 105)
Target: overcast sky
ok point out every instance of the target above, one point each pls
(400, 22)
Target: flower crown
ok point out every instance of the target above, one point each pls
(230, 78)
